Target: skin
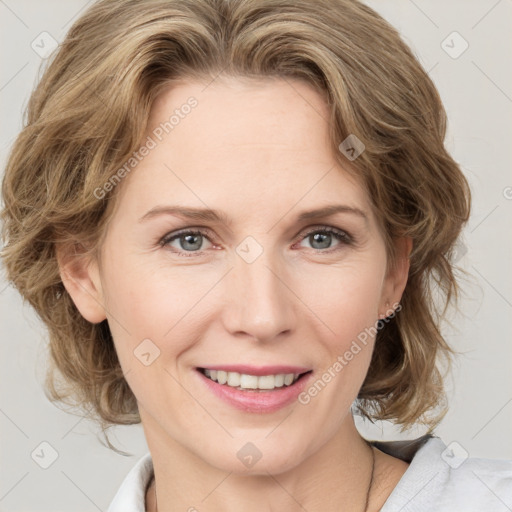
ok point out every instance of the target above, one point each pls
(259, 152)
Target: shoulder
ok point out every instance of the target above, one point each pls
(132, 493)
(441, 480)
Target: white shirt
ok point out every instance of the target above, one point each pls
(436, 480)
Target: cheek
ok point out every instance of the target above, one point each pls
(160, 304)
(345, 298)
(348, 306)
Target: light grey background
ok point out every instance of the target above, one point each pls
(477, 92)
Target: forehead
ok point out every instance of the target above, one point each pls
(244, 142)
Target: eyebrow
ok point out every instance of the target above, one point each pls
(210, 215)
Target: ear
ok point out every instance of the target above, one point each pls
(396, 277)
(81, 278)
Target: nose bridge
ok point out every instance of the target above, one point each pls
(259, 303)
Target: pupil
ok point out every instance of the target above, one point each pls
(323, 238)
(189, 239)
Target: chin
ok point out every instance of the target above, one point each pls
(258, 457)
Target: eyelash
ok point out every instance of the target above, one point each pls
(342, 236)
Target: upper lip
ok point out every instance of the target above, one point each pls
(258, 370)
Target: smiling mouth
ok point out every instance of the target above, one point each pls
(247, 382)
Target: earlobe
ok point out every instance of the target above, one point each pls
(80, 276)
(396, 279)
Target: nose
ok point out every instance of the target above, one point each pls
(258, 301)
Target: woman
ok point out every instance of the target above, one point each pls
(232, 217)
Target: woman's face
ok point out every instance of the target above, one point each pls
(264, 286)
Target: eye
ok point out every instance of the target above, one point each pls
(187, 241)
(321, 238)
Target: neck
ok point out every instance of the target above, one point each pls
(340, 472)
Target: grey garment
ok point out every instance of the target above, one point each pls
(436, 480)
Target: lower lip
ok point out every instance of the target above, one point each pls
(256, 400)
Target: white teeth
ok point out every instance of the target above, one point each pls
(248, 381)
(245, 381)
(265, 382)
(233, 379)
(288, 378)
(279, 380)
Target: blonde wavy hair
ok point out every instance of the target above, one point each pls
(89, 112)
